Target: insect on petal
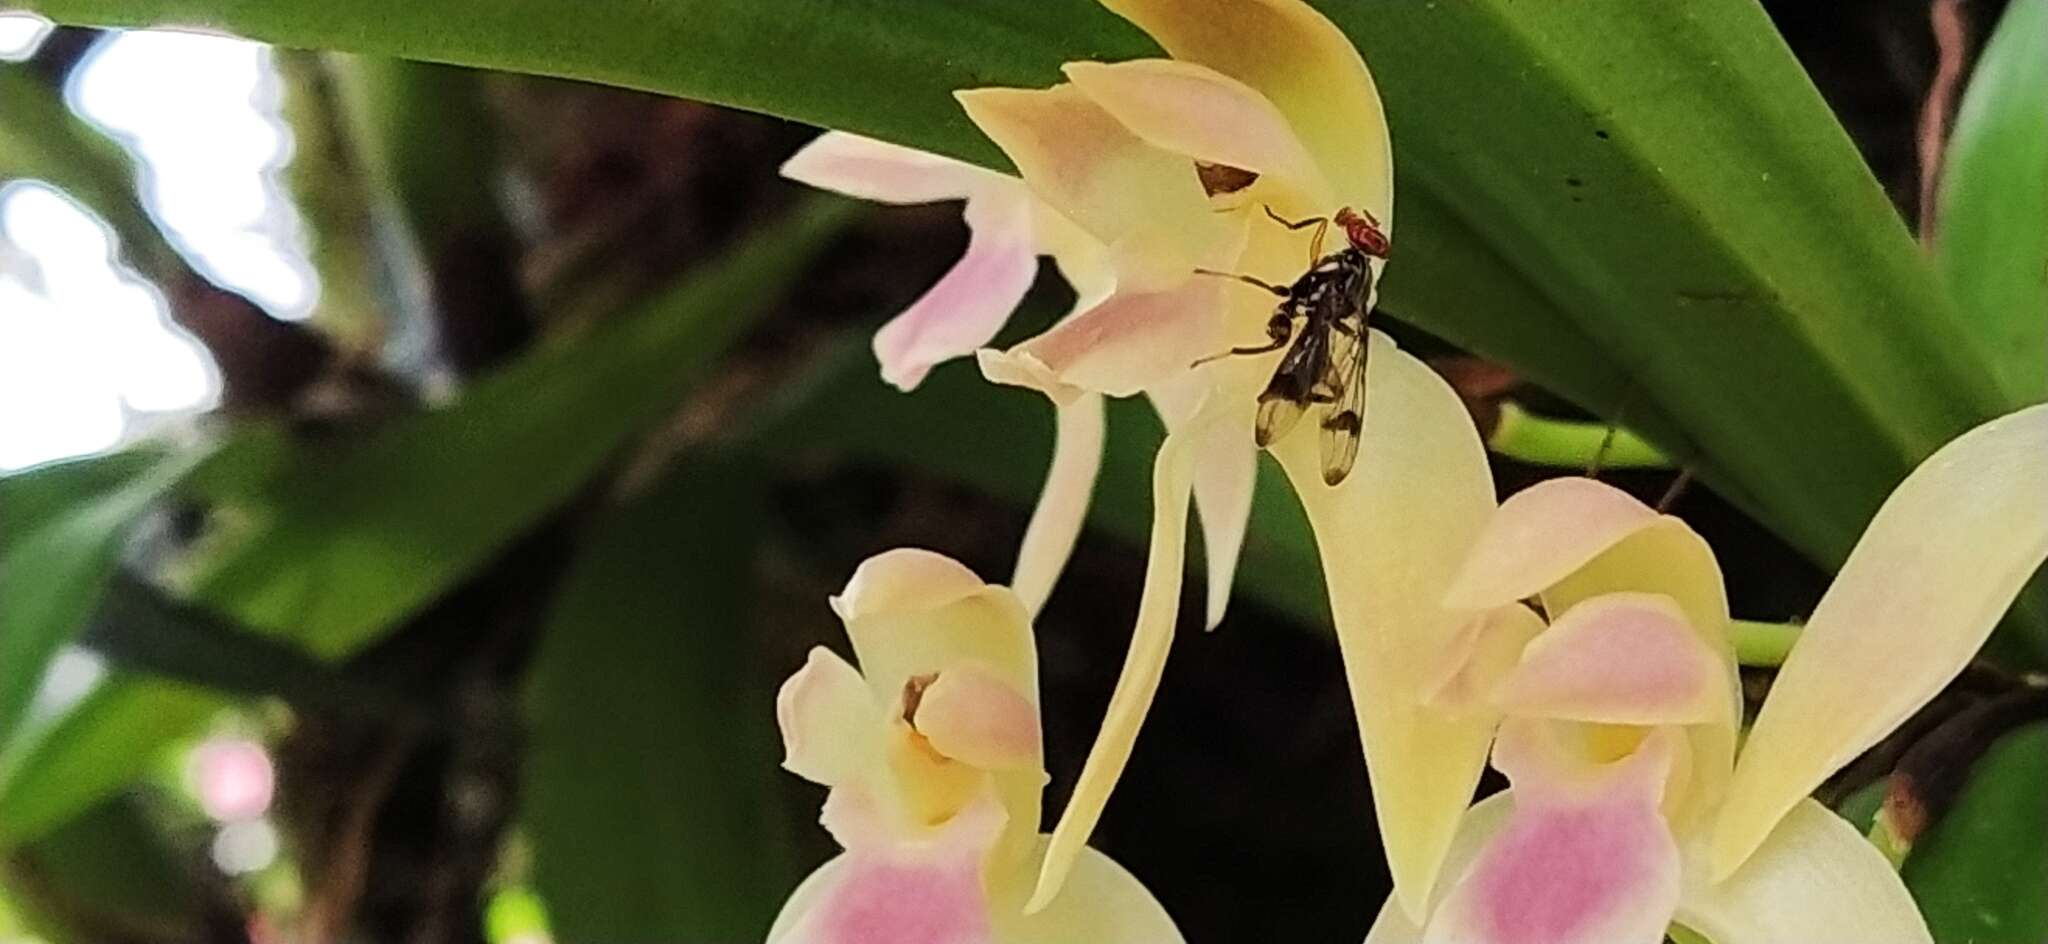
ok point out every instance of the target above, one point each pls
(1390, 537)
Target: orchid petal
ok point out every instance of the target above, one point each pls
(1476, 830)
(1145, 204)
(828, 718)
(1572, 539)
(1226, 472)
(1063, 504)
(1158, 610)
(1619, 658)
(1589, 861)
(887, 173)
(1133, 341)
(914, 614)
(1100, 904)
(970, 715)
(1479, 657)
(1300, 62)
(1540, 535)
(1940, 563)
(904, 580)
(1193, 110)
(1389, 538)
(970, 303)
(928, 891)
(1813, 879)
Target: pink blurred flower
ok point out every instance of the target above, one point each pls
(233, 778)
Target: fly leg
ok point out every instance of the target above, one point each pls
(1279, 330)
(1279, 290)
(1315, 245)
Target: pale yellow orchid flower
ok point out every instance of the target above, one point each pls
(1143, 173)
(932, 750)
(1629, 809)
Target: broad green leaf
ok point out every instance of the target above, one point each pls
(354, 537)
(1647, 207)
(1990, 237)
(647, 791)
(1981, 873)
(61, 530)
(362, 534)
(65, 766)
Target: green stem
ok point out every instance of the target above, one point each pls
(1762, 644)
(1570, 444)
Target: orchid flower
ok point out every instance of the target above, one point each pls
(1629, 808)
(1008, 229)
(1155, 174)
(932, 751)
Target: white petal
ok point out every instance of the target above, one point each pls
(1813, 879)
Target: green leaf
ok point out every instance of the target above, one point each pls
(360, 535)
(648, 787)
(58, 769)
(1980, 872)
(63, 529)
(1649, 209)
(1990, 239)
(354, 537)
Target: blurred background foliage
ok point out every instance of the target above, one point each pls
(482, 570)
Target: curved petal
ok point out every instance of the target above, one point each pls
(1540, 535)
(1226, 472)
(1158, 610)
(1301, 62)
(1475, 661)
(1063, 505)
(1145, 204)
(970, 303)
(1132, 341)
(828, 718)
(1586, 862)
(971, 716)
(1476, 829)
(1193, 110)
(1939, 564)
(926, 892)
(1618, 658)
(1813, 879)
(904, 580)
(847, 163)
(1100, 904)
(1571, 539)
(1390, 537)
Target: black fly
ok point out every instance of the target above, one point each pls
(1326, 364)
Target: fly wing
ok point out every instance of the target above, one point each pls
(1344, 382)
(1277, 414)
